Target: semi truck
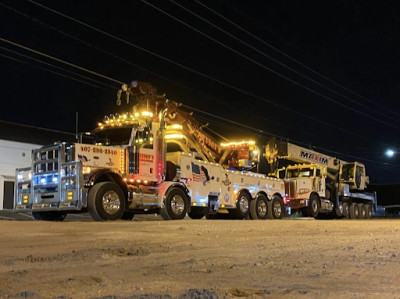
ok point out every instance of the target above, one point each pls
(152, 157)
(319, 185)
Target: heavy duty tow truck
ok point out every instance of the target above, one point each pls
(153, 158)
(321, 186)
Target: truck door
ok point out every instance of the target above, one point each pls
(319, 183)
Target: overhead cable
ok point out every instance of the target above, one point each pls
(269, 69)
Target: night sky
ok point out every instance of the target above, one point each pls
(323, 73)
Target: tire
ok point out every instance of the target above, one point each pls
(196, 213)
(277, 209)
(346, 210)
(127, 216)
(339, 210)
(354, 211)
(259, 208)
(49, 216)
(106, 201)
(362, 213)
(314, 206)
(368, 211)
(242, 206)
(175, 206)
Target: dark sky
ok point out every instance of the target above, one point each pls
(324, 73)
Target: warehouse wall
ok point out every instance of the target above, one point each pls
(12, 155)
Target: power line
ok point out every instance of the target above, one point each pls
(267, 68)
(57, 67)
(282, 64)
(58, 60)
(291, 58)
(199, 73)
(48, 70)
(220, 118)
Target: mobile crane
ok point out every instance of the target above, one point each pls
(154, 158)
(321, 186)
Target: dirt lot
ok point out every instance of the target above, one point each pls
(301, 258)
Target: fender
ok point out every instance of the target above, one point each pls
(103, 175)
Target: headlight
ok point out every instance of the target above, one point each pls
(46, 179)
(23, 176)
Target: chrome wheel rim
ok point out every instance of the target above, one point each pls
(277, 209)
(177, 204)
(111, 202)
(262, 208)
(243, 204)
(340, 207)
(314, 206)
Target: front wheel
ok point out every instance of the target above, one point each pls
(259, 207)
(175, 206)
(314, 206)
(106, 201)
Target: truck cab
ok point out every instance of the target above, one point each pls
(303, 182)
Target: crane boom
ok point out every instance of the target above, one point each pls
(275, 150)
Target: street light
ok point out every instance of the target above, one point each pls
(389, 153)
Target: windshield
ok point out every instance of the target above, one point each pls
(299, 172)
(347, 172)
(113, 136)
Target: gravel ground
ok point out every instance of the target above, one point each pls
(295, 257)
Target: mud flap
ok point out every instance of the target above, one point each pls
(213, 203)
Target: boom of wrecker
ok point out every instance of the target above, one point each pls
(155, 158)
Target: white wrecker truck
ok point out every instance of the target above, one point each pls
(154, 158)
(321, 186)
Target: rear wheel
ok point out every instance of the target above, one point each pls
(259, 207)
(277, 207)
(175, 206)
(49, 216)
(242, 206)
(354, 211)
(368, 211)
(362, 213)
(346, 210)
(106, 201)
(314, 206)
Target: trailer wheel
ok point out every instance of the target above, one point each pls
(49, 216)
(346, 210)
(127, 216)
(277, 207)
(362, 213)
(175, 206)
(259, 207)
(354, 211)
(106, 201)
(368, 211)
(314, 206)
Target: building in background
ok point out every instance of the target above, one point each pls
(16, 144)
